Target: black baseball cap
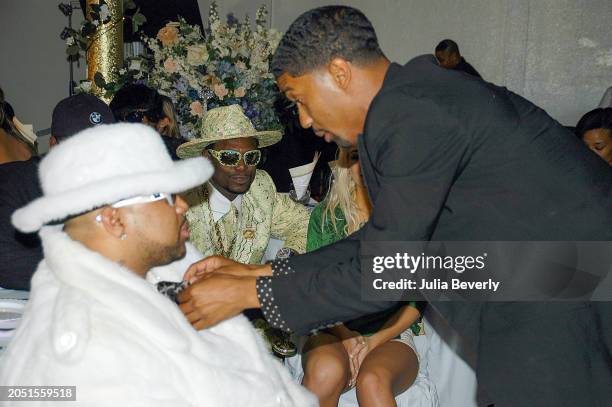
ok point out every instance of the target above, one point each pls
(79, 112)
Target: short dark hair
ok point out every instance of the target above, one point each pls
(595, 119)
(137, 98)
(447, 45)
(7, 114)
(324, 33)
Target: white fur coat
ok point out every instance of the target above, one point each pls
(93, 324)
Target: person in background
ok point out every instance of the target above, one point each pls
(171, 128)
(20, 252)
(14, 146)
(448, 55)
(375, 353)
(595, 130)
(297, 148)
(137, 103)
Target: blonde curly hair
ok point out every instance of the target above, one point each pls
(342, 194)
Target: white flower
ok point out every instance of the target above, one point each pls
(134, 65)
(85, 86)
(197, 54)
(104, 12)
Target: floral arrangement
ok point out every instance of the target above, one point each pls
(227, 64)
(79, 41)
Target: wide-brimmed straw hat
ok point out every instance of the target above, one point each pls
(105, 164)
(225, 123)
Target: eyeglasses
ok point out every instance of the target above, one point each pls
(145, 199)
(231, 158)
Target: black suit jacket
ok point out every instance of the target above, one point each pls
(466, 67)
(447, 156)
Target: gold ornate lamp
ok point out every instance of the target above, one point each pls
(105, 54)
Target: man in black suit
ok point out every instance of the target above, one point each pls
(446, 157)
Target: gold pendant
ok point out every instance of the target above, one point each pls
(248, 233)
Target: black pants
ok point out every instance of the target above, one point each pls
(539, 354)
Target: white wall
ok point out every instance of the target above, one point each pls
(34, 70)
(546, 50)
(568, 61)
(537, 48)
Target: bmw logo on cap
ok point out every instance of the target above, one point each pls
(95, 118)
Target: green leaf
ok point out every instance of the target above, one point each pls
(117, 86)
(99, 80)
(72, 50)
(138, 19)
(129, 4)
(88, 29)
(83, 45)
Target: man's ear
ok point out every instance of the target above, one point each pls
(112, 221)
(340, 70)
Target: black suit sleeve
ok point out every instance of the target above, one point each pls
(416, 150)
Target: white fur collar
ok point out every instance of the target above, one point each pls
(114, 287)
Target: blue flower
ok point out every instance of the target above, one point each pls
(224, 67)
(182, 85)
(232, 20)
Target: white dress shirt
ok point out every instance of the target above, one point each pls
(219, 204)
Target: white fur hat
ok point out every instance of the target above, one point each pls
(102, 165)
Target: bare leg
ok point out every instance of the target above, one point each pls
(326, 368)
(387, 371)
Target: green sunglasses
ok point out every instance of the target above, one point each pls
(231, 158)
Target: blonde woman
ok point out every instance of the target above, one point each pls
(375, 353)
(170, 127)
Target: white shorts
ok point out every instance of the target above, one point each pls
(407, 338)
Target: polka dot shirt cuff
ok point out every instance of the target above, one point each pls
(281, 267)
(268, 307)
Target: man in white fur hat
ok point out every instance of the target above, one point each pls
(108, 215)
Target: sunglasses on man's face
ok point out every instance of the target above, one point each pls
(142, 199)
(145, 199)
(231, 158)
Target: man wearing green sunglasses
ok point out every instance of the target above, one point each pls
(237, 212)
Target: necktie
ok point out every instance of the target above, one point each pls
(227, 228)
